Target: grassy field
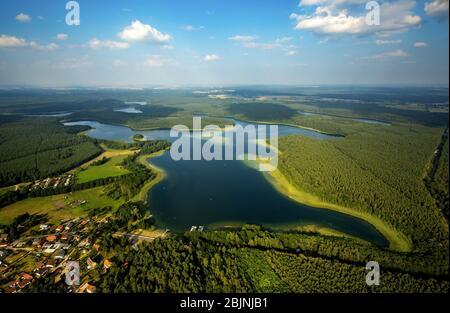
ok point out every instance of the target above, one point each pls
(110, 169)
(61, 206)
(6, 189)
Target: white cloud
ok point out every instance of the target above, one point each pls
(437, 9)
(211, 57)
(15, 42)
(23, 18)
(332, 19)
(242, 38)
(390, 54)
(12, 41)
(291, 52)
(62, 37)
(157, 61)
(140, 32)
(49, 47)
(94, 43)
(420, 44)
(283, 40)
(264, 46)
(382, 42)
(191, 28)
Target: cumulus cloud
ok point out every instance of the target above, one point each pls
(15, 42)
(12, 41)
(211, 57)
(331, 18)
(420, 44)
(62, 37)
(95, 43)
(157, 61)
(437, 9)
(140, 32)
(390, 54)
(382, 42)
(23, 18)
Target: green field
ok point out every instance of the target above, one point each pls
(59, 207)
(110, 169)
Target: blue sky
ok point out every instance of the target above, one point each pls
(215, 42)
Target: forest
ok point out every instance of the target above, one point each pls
(35, 148)
(377, 172)
(210, 262)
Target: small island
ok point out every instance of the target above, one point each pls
(139, 137)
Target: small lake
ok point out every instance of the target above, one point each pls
(362, 120)
(228, 193)
(129, 110)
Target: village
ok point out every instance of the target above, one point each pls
(47, 253)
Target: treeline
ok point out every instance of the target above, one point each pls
(215, 262)
(438, 185)
(129, 185)
(145, 147)
(21, 223)
(338, 248)
(35, 148)
(377, 171)
(133, 215)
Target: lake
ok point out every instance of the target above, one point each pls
(227, 193)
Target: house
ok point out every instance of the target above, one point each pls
(52, 263)
(90, 289)
(59, 254)
(23, 283)
(51, 238)
(41, 271)
(11, 289)
(96, 247)
(107, 264)
(64, 237)
(59, 228)
(4, 237)
(25, 276)
(43, 227)
(86, 287)
(91, 264)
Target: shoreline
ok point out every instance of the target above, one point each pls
(160, 175)
(397, 241)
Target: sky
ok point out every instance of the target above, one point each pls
(223, 42)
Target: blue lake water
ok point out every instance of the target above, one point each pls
(228, 192)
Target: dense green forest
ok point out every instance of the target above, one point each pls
(375, 170)
(437, 179)
(34, 148)
(211, 262)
